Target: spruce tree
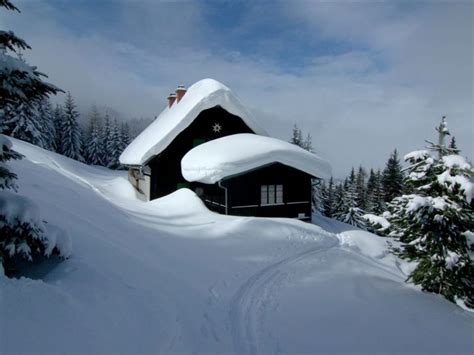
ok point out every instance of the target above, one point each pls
(307, 144)
(329, 203)
(392, 178)
(432, 223)
(114, 146)
(349, 212)
(71, 145)
(105, 140)
(48, 129)
(23, 123)
(58, 121)
(297, 136)
(361, 198)
(93, 140)
(125, 132)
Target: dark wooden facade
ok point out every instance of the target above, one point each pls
(165, 168)
(240, 195)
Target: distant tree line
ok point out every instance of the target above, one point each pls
(99, 140)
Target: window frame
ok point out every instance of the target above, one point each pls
(271, 195)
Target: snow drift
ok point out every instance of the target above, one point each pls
(168, 276)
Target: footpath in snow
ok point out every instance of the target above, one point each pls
(168, 276)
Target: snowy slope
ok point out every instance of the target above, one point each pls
(238, 153)
(204, 94)
(168, 276)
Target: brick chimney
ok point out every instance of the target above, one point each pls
(180, 91)
(171, 99)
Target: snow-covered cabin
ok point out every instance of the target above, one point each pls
(207, 141)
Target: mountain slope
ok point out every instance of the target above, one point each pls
(169, 276)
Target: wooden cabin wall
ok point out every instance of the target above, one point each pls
(244, 192)
(166, 174)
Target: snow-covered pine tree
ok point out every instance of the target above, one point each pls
(105, 139)
(46, 120)
(125, 132)
(339, 206)
(370, 201)
(297, 136)
(349, 212)
(317, 196)
(23, 123)
(308, 143)
(114, 145)
(71, 145)
(432, 223)
(392, 177)
(329, 203)
(7, 177)
(361, 198)
(93, 139)
(58, 121)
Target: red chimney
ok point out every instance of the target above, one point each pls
(180, 91)
(171, 99)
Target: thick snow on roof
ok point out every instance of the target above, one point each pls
(204, 94)
(238, 153)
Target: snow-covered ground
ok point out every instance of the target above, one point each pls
(168, 276)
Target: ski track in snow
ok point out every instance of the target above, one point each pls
(249, 302)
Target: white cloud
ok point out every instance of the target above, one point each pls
(404, 72)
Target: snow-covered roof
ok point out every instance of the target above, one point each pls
(238, 153)
(204, 94)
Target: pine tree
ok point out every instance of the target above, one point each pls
(297, 137)
(46, 120)
(349, 212)
(23, 124)
(392, 178)
(317, 195)
(125, 131)
(307, 144)
(93, 147)
(105, 139)
(71, 145)
(361, 198)
(329, 203)
(114, 146)
(433, 222)
(58, 121)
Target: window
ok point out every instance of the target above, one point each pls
(271, 194)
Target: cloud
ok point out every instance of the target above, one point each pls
(387, 76)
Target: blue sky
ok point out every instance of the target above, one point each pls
(361, 77)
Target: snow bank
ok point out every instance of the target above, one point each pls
(160, 133)
(235, 154)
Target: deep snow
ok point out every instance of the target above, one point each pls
(223, 157)
(168, 276)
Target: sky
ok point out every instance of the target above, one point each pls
(362, 77)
